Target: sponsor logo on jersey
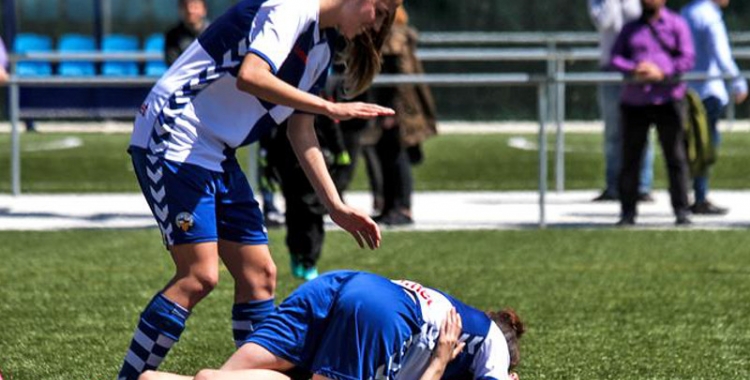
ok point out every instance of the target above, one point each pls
(418, 289)
(184, 221)
(143, 109)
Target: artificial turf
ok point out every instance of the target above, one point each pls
(598, 304)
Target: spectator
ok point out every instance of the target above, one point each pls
(3, 63)
(258, 65)
(358, 325)
(193, 22)
(413, 123)
(608, 17)
(305, 231)
(713, 57)
(655, 50)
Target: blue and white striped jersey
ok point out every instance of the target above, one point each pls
(486, 355)
(196, 109)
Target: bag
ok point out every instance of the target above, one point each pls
(699, 148)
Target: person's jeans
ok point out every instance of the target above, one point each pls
(714, 109)
(609, 104)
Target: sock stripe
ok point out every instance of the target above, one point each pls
(154, 361)
(242, 325)
(134, 361)
(143, 340)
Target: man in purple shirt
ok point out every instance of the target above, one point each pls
(654, 50)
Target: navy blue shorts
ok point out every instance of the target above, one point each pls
(343, 325)
(194, 205)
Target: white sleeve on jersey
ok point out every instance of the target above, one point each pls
(277, 26)
(493, 359)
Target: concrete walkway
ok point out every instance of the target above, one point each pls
(432, 211)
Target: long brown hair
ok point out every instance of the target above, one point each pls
(361, 57)
(512, 327)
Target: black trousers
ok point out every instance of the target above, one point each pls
(396, 171)
(637, 121)
(305, 233)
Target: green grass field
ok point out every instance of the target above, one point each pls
(453, 162)
(604, 304)
(599, 304)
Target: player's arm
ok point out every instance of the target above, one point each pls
(301, 134)
(256, 78)
(448, 346)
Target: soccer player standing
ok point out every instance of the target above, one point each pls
(260, 63)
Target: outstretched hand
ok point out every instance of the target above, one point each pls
(359, 225)
(354, 110)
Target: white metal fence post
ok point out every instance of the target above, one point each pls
(543, 114)
(15, 139)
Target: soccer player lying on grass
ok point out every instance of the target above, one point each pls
(349, 325)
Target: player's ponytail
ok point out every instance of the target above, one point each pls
(361, 57)
(512, 327)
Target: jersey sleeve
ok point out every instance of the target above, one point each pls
(492, 359)
(276, 28)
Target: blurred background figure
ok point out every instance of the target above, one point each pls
(608, 17)
(713, 56)
(652, 49)
(193, 21)
(3, 62)
(400, 137)
(305, 233)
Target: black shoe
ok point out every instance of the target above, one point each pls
(682, 220)
(707, 208)
(626, 220)
(606, 196)
(394, 218)
(645, 198)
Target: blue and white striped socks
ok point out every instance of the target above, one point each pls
(159, 328)
(246, 316)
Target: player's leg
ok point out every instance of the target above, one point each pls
(154, 375)
(249, 374)
(243, 246)
(254, 356)
(185, 213)
(254, 274)
(213, 374)
(163, 320)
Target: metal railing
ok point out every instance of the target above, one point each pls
(550, 86)
(543, 83)
(529, 38)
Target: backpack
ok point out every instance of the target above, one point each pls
(699, 148)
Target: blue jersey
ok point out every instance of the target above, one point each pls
(195, 114)
(351, 325)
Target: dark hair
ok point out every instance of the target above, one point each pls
(512, 327)
(183, 3)
(362, 60)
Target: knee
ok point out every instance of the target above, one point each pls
(149, 375)
(199, 284)
(267, 274)
(206, 374)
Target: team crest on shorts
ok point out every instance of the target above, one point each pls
(184, 221)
